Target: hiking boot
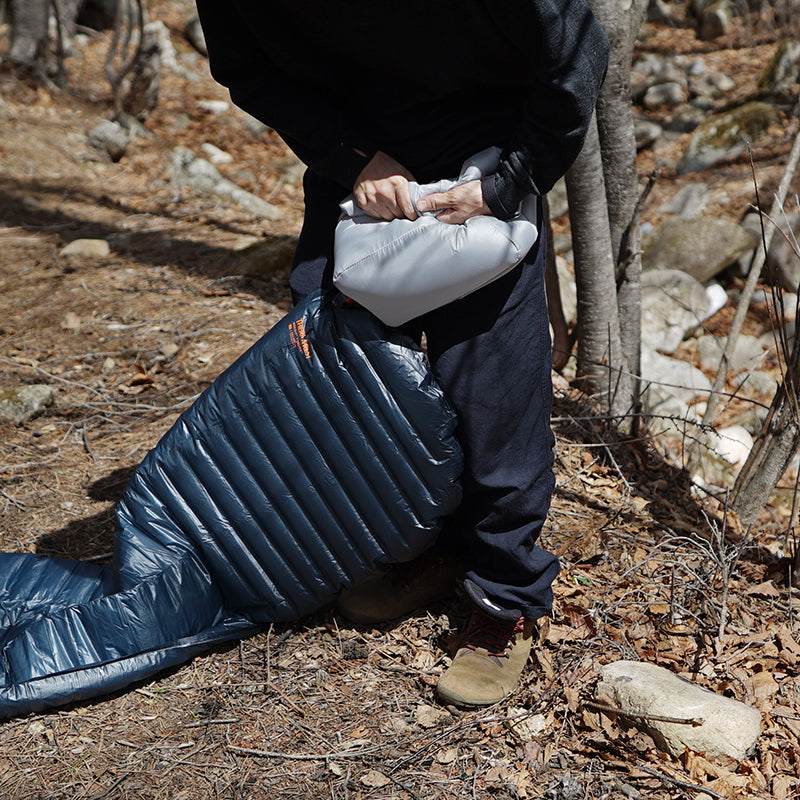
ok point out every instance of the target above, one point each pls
(402, 589)
(489, 662)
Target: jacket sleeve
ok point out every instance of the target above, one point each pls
(565, 48)
(309, 121)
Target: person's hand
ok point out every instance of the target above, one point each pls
(458, 204)
(381, 189)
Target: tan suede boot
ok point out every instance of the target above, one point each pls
(402, 589)
(488, 665)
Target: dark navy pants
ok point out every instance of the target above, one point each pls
(490, 353)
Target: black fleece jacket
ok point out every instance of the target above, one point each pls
(430, 82)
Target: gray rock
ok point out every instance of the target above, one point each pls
(687, 116)
(85, 249)
(214, 106)
(133, 127)
(670, 417)
(109, 137)
(783, 258)
(673, 304)
(665, 378)
(703, 247)
(757, 382)
(557, 198)
(725, 135)
(645, 691)
(646, 132)
(671, 93)
(733, 443)
(688, 201)
(748, 352)
(716, 19)
(202, 176)
(723, 453)
(658, 11)
(712, 85)
(652, 69)
(717, 298)
(255, 127)
(565, 788)
(783, 69)
(215, 155)
(21, 403)
(194, 34)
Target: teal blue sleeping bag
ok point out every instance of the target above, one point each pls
(324, 452)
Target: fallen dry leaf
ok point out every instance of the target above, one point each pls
(71, 321)
(428, 716)
(374, 779)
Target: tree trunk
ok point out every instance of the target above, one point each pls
(30, 18)
(774, 448)
(602, 369)
(621, 20)
(768, 460)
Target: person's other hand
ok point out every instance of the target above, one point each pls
(381, 189)
(458, 204)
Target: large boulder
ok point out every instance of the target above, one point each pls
(673, 303)
(783, 69)
(703, 247)
(725, 135)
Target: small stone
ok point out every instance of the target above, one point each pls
(524, 725)
(215, 155)
(717, 298)
(21, 403)
(214, 106)
(644, 692)
(85, 249)
(646, 132)
(109, 137)
(665, 94)
(732, 443)
(688, 201)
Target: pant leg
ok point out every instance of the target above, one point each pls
(491, 354)
(312, 267)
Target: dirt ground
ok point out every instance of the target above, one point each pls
(321, 708)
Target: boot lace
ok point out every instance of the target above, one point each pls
(491, 634)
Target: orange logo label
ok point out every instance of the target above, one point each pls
(297, 336)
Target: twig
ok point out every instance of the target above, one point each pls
(676, 782)
(203, 723)
(695, 722)
(249, 751)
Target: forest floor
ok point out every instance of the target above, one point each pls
(323, 709)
